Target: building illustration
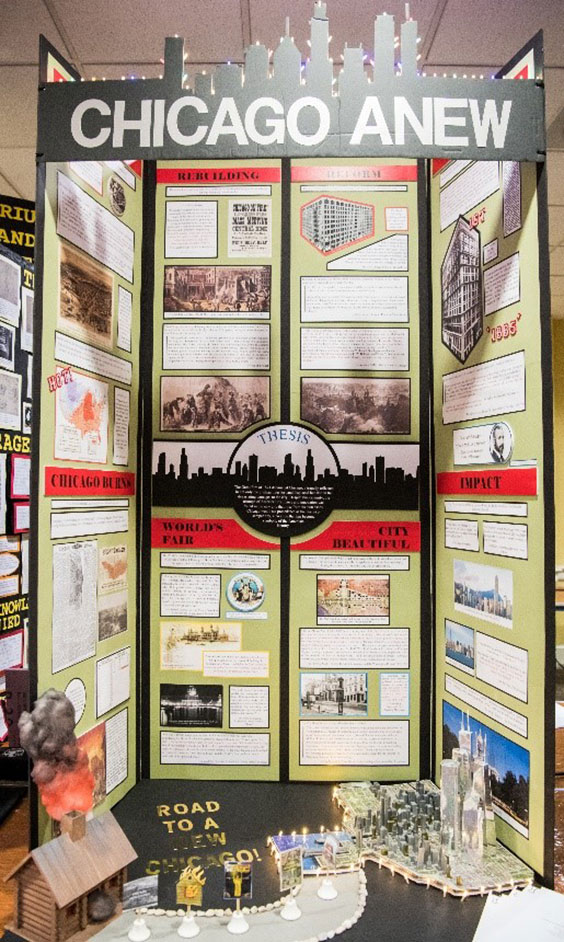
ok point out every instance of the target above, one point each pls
(330, 223)
(461, 291)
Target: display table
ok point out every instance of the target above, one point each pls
(244, 814)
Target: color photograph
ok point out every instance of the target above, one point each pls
(238, 880)
(342, 694)
(217, 288)
(351, 406)
(93, 743)
(291, 870)
(213, 403)
(459, 646)
(509, 765)
(484, 591)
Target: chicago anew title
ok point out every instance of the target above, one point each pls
(279, 105)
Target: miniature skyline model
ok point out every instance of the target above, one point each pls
(442, 837)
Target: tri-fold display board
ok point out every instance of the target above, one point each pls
(235, 455)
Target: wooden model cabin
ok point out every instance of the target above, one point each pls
(54, 882)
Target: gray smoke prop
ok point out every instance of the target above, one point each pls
(47, 735)
(100, 906)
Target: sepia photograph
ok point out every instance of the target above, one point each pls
(85, 297)
(341, 406)
(217, 288)
(184, 705)
(342, 694)
(353, 598)
(10, 280)
(213, 403)
(183, 643)
(112, 615)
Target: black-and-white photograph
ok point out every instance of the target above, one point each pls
(184, 705)
(116, 193)
(213, 403)
(500, 442)
(141, 892)
(10, 400)
(85, 297)
(341, 694)
(10, 279)
(112, 615)
(461, 291)
(217, 288)
(352, 406)
(7, 345)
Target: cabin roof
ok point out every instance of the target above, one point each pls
(73, 868)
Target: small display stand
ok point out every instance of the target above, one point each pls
(188, 928)
(238, 925)
(139, 931)
(290, 910)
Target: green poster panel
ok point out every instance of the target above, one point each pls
(490, 628)
(215, 626)
(87, 432)
(355, 613)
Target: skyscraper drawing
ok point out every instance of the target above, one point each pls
(461, 291)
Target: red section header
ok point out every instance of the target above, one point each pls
(507, 482)
(218, 175)
(136, 166)
(80, 482)
(438, 163)
(171, 532)
(389, 536)
(404, 173)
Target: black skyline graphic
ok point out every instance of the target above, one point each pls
(376, 486)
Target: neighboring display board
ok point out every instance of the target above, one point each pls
(87, 441)
(17, 226)
(16, 355)
(490, 459)
(286, 355)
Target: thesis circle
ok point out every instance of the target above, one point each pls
(76, 693)
(284, 478)
(245, 592)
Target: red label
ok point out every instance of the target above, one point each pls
(180, 533)
(57, 77)
(438, 163)
(378, 536)
(405, 173)
(136, 166)
(508, 482)
(80, 482)
(217, 176)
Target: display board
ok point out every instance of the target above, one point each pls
(87, 434)
(489, 455)
(284, 530)
(286, 371)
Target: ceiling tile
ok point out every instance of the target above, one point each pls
(554, 86)
(22, 22)
(18, 105)
(557, 307)
(557, 261)
(499, 30)
(557, 286)
(555, 225)
(352, 24)
(18, 165)
(555, 177)
(135, 30)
